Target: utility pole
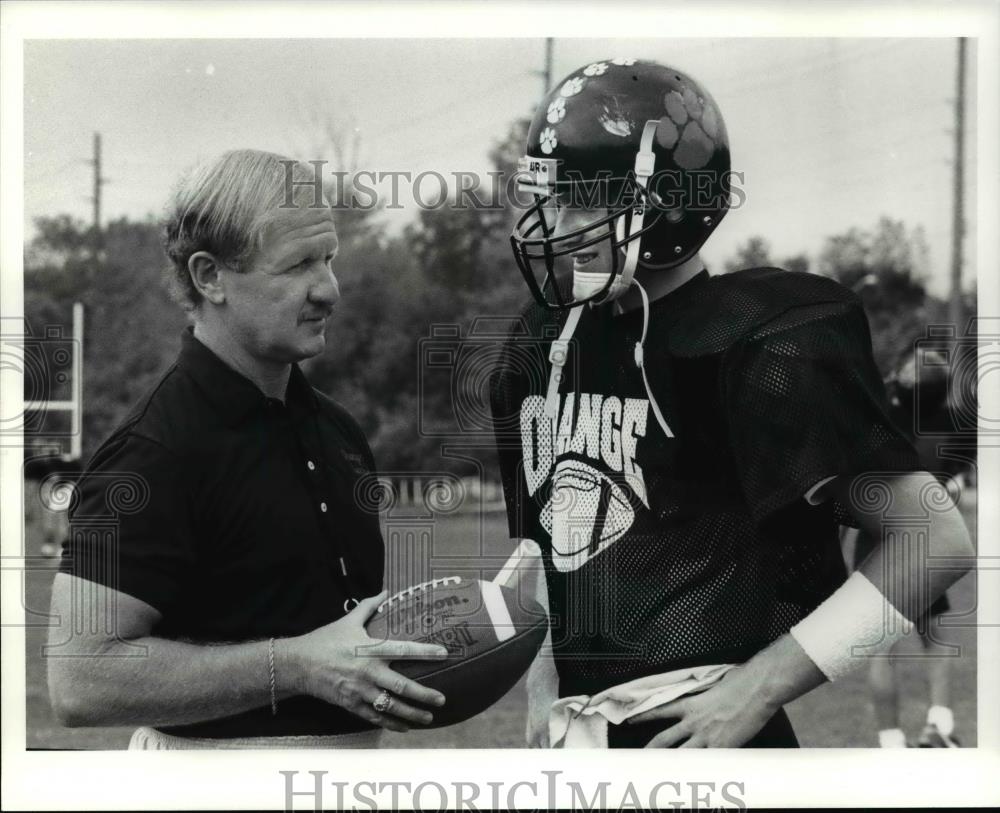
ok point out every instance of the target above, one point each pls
(99, 181)
(958, 224)
(547, 75)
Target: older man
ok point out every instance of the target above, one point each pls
(236, 578)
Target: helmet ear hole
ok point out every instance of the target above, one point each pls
(675, 215)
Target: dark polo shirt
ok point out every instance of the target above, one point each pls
(238, 517)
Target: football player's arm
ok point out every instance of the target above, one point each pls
(524, 569)
(542, 683)
(897, 567)
(127, 676)
(734, 710)
(523, 572)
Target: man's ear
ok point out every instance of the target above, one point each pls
(206, 277)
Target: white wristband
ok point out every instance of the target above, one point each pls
(854, 623)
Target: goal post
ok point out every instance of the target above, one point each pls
(73, 404)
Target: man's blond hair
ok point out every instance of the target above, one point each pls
(223, 206)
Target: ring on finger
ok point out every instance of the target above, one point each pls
(383, 702)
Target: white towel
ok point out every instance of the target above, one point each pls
(582, 721)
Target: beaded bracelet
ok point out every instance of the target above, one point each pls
(270, 668)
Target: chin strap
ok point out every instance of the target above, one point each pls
(558, 353)
(640, 361)
(645, 163)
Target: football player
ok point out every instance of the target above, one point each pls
(681, 446)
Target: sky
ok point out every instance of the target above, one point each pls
(830, 133)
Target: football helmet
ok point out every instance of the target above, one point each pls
(645, 147)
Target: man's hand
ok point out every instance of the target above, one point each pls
(341, 664)
(734, 710)
(726, 715)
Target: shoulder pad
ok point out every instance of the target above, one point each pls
(730, 307)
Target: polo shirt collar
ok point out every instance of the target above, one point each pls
(232, 394)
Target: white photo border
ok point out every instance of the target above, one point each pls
(251, 780)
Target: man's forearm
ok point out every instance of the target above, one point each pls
(542, 686)
(781, 672)
(542, 676)
(169, 683)
(912, 573)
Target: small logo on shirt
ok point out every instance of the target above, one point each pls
(357, 462)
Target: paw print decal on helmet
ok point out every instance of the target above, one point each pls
(692, 124)
(572, 86)
(695, 148)
(547, 140)
(667, 133)
(623, 60)
(557, 111)
(674, 103)
(596, 69)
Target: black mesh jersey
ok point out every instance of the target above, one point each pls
(663, 552)
(942, 451)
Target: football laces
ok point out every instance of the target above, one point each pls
(410, 591)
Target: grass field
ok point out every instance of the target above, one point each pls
(837, 715)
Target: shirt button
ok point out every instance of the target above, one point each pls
(322, 507)
(311, 465)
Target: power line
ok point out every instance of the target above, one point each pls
(484, 97)
(545, 74)
(768, 77)
(38, 173)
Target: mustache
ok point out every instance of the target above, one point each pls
(323, 314)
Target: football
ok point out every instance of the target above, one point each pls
(491, 634)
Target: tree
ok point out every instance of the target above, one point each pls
(132, 327)
(449, 243)
(797, 262)
(336, 141)
(464, 270)
(754, 253)
(884, 267)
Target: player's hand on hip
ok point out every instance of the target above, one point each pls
(341, 664)
(726, 715)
